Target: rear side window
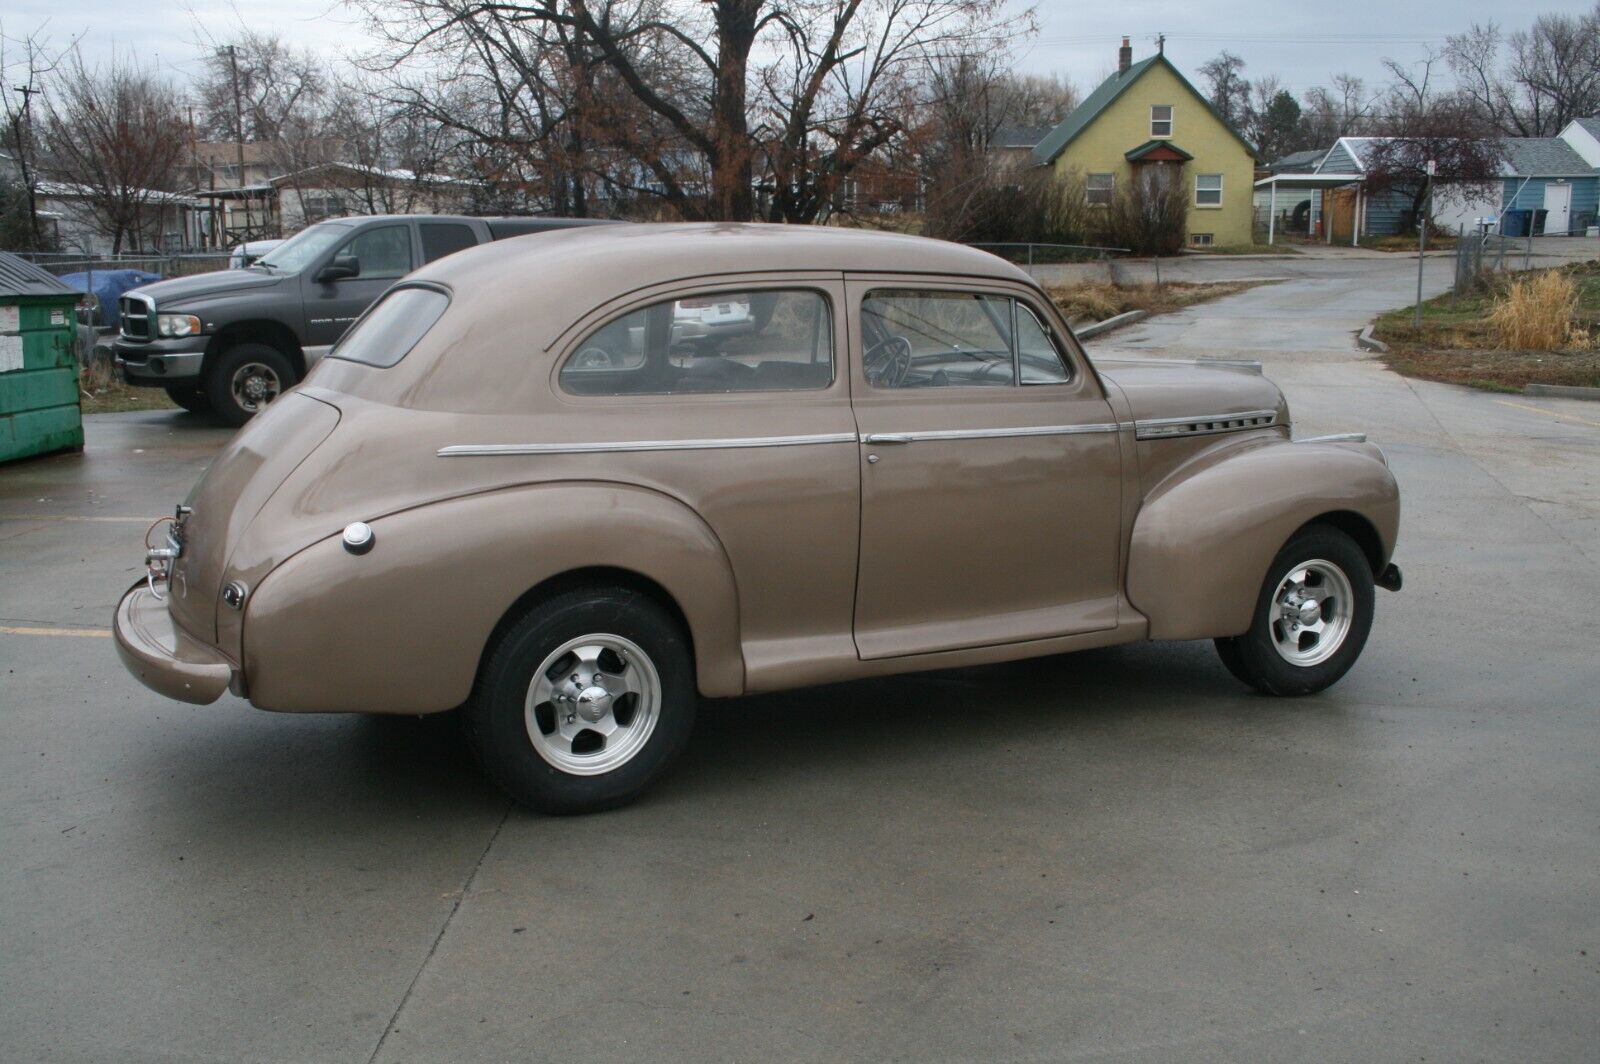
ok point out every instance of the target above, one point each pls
(444, 238)
(733, 341)
(392, 328)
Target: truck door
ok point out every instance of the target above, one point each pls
(383, 254)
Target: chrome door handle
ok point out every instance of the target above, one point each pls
(886, 437)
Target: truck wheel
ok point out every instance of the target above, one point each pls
(245, 379)
(1312, 616)
(584, 702)
(190, 398)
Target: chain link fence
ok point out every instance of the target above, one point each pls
(1482, 255)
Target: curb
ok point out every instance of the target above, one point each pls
(1366, 340)
(1562, 391)
(1110, 323)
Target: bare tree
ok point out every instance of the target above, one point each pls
(1226, 87)
(25, 63)
(1342, 108)
(1531, 83)
(1419, 127)
(109, 131)
(704, 102)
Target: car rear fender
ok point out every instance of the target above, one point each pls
(1204, 538)
(402, 628)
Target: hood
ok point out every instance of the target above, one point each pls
(1158, 389)
(182, 292)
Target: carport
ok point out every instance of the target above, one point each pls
(1309, 182)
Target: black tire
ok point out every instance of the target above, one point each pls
(495, 719)
(227, 384)
(189, 397)
(1255, 657)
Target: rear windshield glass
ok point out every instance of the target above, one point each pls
(393, 327)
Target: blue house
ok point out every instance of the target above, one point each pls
(1539, 174)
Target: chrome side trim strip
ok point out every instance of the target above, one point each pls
(486, 450)
(1203, 424)
(1336, 437)
(988, 434)
(1250, 364)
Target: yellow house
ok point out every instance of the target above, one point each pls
(1147, 114)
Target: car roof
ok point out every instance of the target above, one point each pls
(571, 271)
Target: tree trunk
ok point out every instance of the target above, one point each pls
(733, 159)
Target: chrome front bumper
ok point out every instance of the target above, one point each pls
(171, 361)
(163, 656)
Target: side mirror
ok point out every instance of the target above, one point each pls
(343, 266)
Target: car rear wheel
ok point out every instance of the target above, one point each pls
(245, 379)
(584, 702)
(189, 397)
(1312, 616)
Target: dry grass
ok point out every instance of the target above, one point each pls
(1537, 314)
(1408, 242)
(1087, 301)
(103, 392)
(1540, 328)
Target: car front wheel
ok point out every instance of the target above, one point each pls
(584, 702)
(1311, 619)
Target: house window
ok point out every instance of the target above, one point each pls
(1161, 120)
(1208, 190)
(1200, 240)
(1098, 190)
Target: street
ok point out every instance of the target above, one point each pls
(1116, 855)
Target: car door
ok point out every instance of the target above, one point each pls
(990, 510)
(384, 253)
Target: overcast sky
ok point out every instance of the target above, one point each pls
(1301, 42)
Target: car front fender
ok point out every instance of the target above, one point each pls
(402, 627)
(1203, 540)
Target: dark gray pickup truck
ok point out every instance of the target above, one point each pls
(231, 341)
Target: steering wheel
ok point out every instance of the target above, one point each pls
(887, 362)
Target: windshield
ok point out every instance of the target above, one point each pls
(305, 247)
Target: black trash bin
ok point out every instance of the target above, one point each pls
(1538, 221)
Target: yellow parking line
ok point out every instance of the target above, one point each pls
(66, 517)
(6, 629)
(1548, 413)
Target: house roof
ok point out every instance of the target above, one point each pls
(1106, 94)
(1524, 156)
(1298, 162)
(1156, 149)
(1591, 125)
(1544, 157)
(1019, 136)
(19, 277)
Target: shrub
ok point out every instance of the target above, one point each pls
(1148, 214)
(1536, 314)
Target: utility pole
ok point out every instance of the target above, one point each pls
(22, 118)
(238, 129)
(1422, 236)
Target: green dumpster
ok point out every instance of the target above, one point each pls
(39, 411)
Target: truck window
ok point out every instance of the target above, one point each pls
(445, 238)
(384, 252)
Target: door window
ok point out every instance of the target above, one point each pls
(916, 338)
(444, 238)
(384, 252)
(734, 341)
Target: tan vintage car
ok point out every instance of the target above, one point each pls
(572, 482)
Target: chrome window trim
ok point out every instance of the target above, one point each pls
(1336, 437)
(1203, 424)
(989, 434)
(481, 450)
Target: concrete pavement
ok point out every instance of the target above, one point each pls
(1127, 857)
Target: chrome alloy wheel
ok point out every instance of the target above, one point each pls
(1310, 612)
(593, 704)
(254, 385)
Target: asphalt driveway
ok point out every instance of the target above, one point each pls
(1116, 855)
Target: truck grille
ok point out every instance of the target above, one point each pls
(137, 318)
